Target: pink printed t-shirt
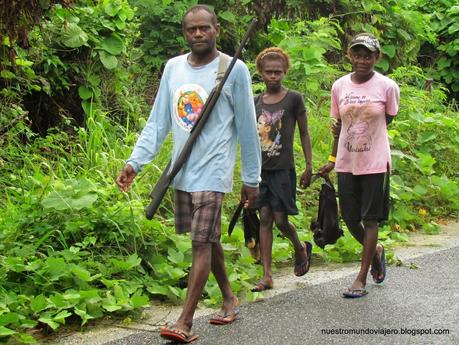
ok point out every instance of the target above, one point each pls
(363, 146)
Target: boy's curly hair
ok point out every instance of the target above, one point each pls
(272, 53)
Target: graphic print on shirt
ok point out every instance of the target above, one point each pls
(188, 102)
(269, 125)
(358, 137)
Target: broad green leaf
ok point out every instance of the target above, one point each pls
(81, 273)
(39, 303)
(312, 54)
(49, 321)
(176, 273)
(71, 295)
(85, 317)
(109, 61)
(7, 74)
(23, 62)
(228, 16)
(398, 236)
(130, 263)
(383, 64)
(25, 338)
(389, 50)
(56, 267)
(111, 307)
(176, 292)
(428, 136)
(421, 190)
(9, 318)
(109, 304)
(85, 92)
(107, 23)
(57, 201)
(84, 201)
(111, 8)
(134, 260)
(405, 35)
(444, 62)
(431, 228)
(453, 28)
(113, 45)
(59, 301)
(425, 163)
(74, 36)
(93, 79)
(157, 289)
(60, 317)
(120, 24)
(140, 301)
(175, 256)
(127, 13)
(4, 332)
(119, 293)
(83, 186)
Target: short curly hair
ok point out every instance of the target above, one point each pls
(272, 53)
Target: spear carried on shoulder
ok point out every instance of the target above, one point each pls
(169, 173)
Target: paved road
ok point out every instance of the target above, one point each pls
(423, 297)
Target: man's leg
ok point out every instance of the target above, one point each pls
(200, 269)
(219, 271)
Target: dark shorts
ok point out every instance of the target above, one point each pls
(199, 213)
(278, 190)
(363, 197)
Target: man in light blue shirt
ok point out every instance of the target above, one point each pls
(208, 173)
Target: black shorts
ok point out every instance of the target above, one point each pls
(278, 190)
(363, 197)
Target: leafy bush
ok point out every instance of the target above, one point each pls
(442, 54)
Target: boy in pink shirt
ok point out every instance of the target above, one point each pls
(363, 102)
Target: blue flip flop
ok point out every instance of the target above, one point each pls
(355, 293)
(381, 273)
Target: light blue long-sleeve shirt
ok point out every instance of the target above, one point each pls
(182, 92)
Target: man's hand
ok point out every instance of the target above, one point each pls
(305, 179)
(249, 195)
(326, 168)
(125, 178)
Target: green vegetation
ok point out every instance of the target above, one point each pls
(77, 79)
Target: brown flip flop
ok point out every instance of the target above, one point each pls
(262, 286)
(177, 335)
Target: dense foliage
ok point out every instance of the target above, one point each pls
(73, 99)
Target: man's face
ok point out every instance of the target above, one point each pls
(200, 33)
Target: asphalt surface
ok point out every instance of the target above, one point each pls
(415, 300)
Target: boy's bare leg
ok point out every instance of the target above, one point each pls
(266, 244)
(289, 231)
